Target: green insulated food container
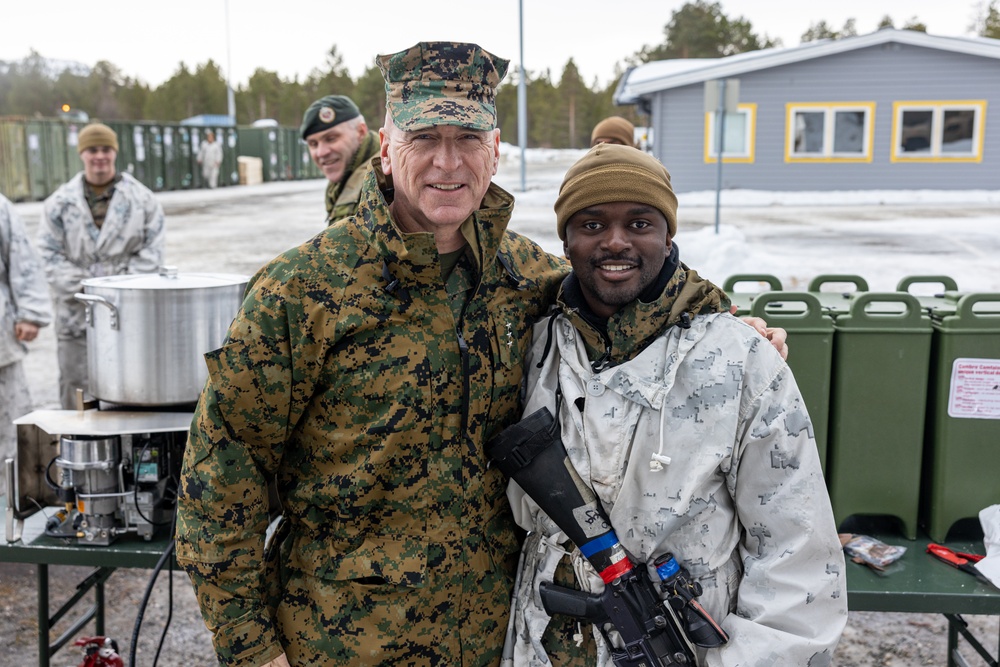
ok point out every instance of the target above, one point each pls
(810, 337)
(837, 302)
(962, 455)
(743, 300)
(937, 300)
(881, 361)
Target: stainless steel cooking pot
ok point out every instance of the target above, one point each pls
(147, 333)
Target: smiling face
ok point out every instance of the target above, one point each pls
(440, 174)
(617, 251)
(333, 148)
(98, 164)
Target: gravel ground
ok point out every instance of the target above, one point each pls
(236, 230)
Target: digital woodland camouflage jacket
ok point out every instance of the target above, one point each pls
(741, 503)
(342, 197)
(347, 374)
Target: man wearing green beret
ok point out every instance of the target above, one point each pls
(341, 145)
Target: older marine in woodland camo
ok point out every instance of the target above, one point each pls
(423, 81)
(367, 385)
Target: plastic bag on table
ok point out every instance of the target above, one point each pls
(869, 551)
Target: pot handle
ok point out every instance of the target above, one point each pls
(89, 300)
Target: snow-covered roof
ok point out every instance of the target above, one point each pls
(666, 74)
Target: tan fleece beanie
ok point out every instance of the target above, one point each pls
(612, 173)
(95, 135)
(616, 128)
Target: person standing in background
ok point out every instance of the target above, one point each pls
(24, 308)
(341, 145)
(210, 159)
(613, 130)
(99, 223)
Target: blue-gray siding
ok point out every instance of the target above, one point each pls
(883, 75)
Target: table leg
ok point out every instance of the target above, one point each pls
(957, 626)
(99, 600)
(43, 615)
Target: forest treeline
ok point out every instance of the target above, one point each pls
(562, 108)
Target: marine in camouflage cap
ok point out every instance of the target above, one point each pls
(442, 83)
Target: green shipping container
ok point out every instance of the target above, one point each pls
(14, 181)
(262, 142)
(176, 162)
(231, 151)
(124, 162)
(186, 163)
(37, 142)
(140, 163)
(810, 335)
(881, 364)
(157, 173)
(962, 452)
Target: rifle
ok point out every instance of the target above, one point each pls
(652, 632)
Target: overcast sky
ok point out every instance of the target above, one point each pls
(149, 40)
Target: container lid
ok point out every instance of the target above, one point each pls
(168, 278)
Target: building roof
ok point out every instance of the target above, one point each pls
(652, 77)
(206, 119)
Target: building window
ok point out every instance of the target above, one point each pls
(738, 137)
(830, 132)
(938, 131)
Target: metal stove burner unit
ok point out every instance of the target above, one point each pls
(107, 472)
(111, 485)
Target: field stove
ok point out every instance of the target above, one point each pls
(112, 471)
(112, 466)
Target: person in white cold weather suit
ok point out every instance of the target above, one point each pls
(24, 308)
(210, 159)
(100, 223)
(688, 426)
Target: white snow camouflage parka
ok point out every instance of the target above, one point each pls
(699, 445)
(73, 248)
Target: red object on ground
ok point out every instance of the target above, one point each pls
(99, 652)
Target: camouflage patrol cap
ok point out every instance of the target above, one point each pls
(442, 83)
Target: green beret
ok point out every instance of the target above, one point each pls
(442, 83)
(326, 112)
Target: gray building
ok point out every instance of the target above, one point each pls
(891, 110)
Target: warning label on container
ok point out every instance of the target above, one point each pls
(975, 389)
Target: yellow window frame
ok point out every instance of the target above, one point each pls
(937, 108)
(750, 110)
(830, 109)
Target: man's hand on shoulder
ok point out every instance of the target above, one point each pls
(777, 336)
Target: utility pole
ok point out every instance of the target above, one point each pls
(720, 133)
(522, 98)
(722, 97)
(230, 98)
